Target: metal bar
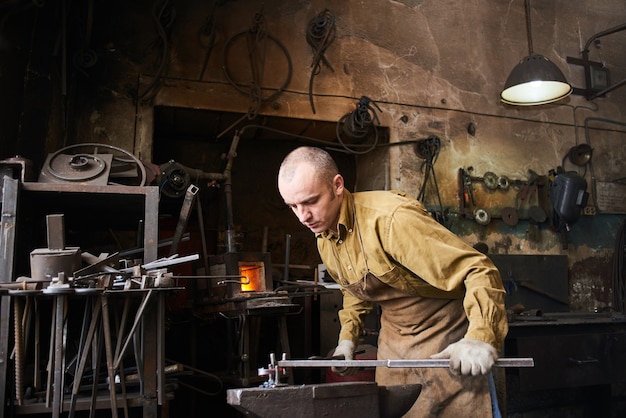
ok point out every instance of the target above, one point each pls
(57, 392)
(287, 256)
(160, 349)
(138, 351)
(121, 325)
(138, 317)
(108, 348)
(151, 224)
(121, 329)
(205, 252)
(50, 366)
(55, 232)
(157, 264)
(185, 210)
(37, 376)
(96, 357)
(149, 346)
(502, 362)
(608, 89)
(83, 352)
(7, 247)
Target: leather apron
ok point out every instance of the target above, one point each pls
(414, 327)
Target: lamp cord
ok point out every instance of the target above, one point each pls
(528, 28)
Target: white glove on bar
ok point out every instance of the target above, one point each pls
(469, 357)
(345, 348)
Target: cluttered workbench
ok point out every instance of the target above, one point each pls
(87, 325)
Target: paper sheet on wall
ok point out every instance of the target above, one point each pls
(611, 197)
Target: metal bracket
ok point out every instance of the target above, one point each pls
(595, 73)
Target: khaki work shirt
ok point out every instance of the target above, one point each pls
(402, 245)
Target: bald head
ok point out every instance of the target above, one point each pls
(320, 161)
(310, 184)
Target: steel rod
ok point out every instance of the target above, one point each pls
(502, 362)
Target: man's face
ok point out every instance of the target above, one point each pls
(314, 203)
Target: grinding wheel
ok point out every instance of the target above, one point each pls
(509, 216)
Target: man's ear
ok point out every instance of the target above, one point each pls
(338, 185)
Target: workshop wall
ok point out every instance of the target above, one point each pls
(430, 68)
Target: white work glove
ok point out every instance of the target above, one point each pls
(345, 348)
(469, 357)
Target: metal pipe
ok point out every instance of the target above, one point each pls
(190, 196)
(108, 349)
(587, 67)
(157, 264)
(83, 352)
(117, 359)
(604, 33)
(228, 193)
(608, 89)
(429, 363)
(287, 256)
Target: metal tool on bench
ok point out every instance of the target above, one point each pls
(47, 262)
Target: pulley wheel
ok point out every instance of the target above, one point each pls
(510, 216)
(88, 161)
(76, 167)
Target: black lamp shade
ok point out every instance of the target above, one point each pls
(534, 81)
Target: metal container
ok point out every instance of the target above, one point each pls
(46, 263)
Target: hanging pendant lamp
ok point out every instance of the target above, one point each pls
(535, 80)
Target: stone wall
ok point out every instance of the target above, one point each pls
(434, 68)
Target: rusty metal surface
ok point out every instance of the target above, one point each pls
(7, 244)
(17, 168)
(345, 399)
